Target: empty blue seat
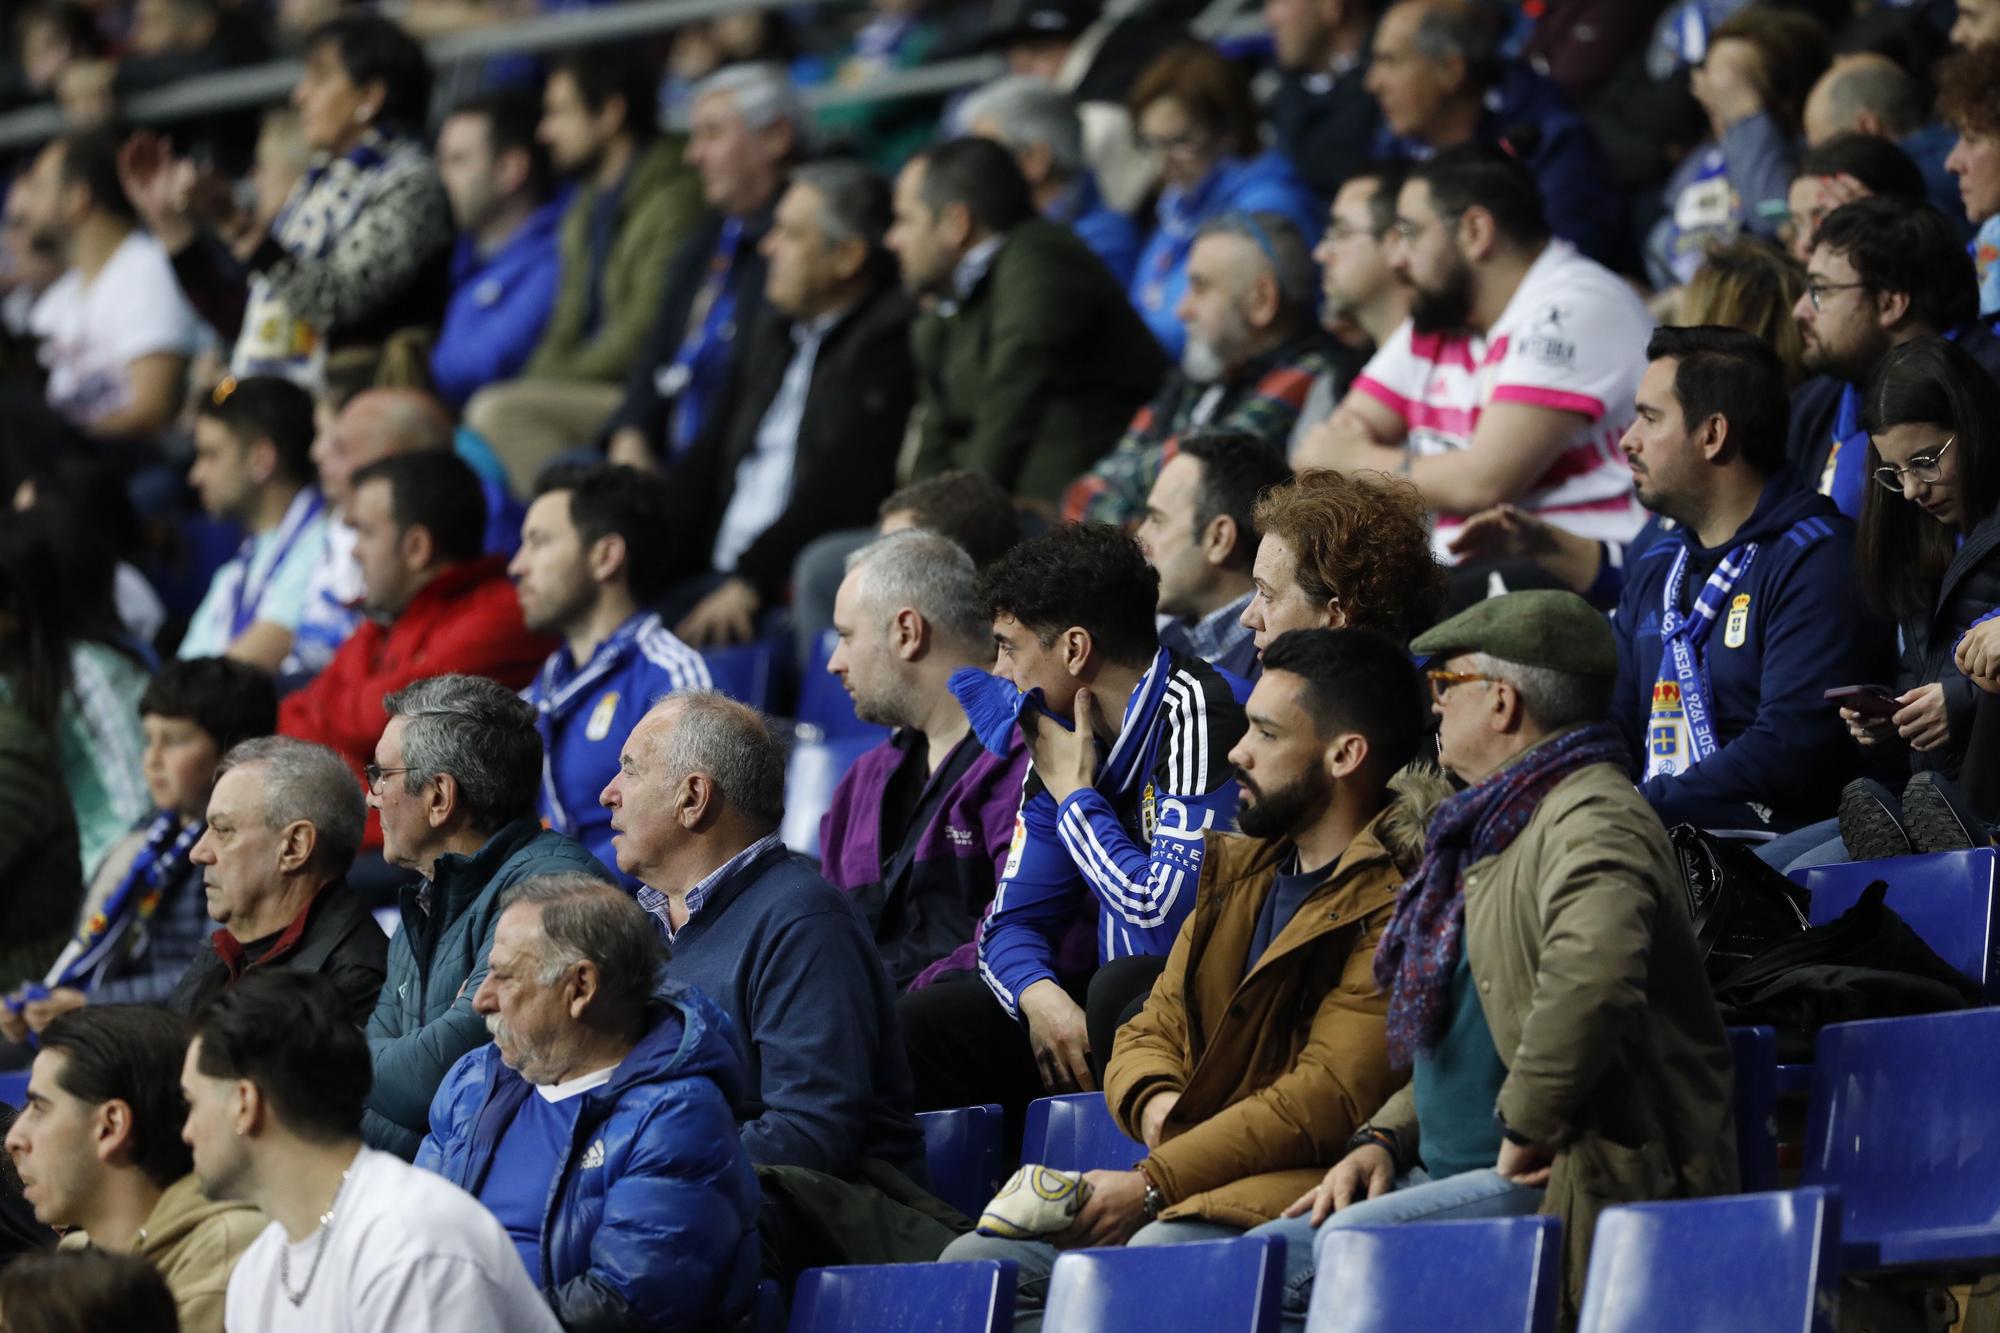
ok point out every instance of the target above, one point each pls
(1749, 1261)
(962, 1149)
(1215, 1286)
(746, 671)
(976, 1297)
(1075, 1132)
(824, 702)
(1902, 1121)
(1756, 1052)
(1505, 1277)
(1946, 897)
(812, 771)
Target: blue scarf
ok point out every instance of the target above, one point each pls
(162, 859)
(1684, 664)
(994, 706)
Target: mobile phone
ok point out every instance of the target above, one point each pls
(1867, 700)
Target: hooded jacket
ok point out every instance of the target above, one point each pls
(651, 1219)
(1969, 590)
(1794, 627)
(1276, 1068)
(498, 308)
(194, 1244)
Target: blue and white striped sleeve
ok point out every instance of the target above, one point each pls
(1036, 900)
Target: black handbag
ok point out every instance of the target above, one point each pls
(1740, 906)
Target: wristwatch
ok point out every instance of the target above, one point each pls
(1509, 1133)
(1154, 1202)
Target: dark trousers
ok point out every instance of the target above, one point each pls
(1118, 991)
(965, 1050)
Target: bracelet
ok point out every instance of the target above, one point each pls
(1369, 1135)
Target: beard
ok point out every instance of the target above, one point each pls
(893, 706)
(1281, 812)
(1445, 309)
(556, 615)
(1209, 356)
(538, 1066)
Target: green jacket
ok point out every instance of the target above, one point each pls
(1035, 373)
(41, 878)
(659, 208)
(424, 1021)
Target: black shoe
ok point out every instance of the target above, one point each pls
(1871, 822)
(1939, 820)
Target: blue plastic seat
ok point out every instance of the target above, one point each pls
(746, 671)
(1902, 1121)
(976, 1297)
(1756, 1052)
(824, 703)
(1075, 1132)
(1748, 1261)
(1946, 897)
(962, 1148)
(14, 1088)
(1216, 1286)
(1505, 1277)
(812, 771)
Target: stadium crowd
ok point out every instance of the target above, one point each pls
(1295, 517)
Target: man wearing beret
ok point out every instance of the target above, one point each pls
(1544, 986)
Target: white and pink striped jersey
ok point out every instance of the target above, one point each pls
(1572, 337)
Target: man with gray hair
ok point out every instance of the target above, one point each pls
(454, 778)
(598, 1127)
(1038, 123)
(919, 827)
(1254, 349)
(696, 805)
(807, 439)
(284, 823)
(1868, 93)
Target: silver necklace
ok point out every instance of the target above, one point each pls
(319, 1249)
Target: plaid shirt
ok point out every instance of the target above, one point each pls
(655, 902)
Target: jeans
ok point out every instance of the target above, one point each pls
(1814, 845)
(1414, 1197)
(1037, 1259)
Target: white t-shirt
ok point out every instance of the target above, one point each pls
(1573, 337)
(406, 1250)
(92, 333)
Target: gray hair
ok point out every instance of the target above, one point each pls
(586, 919)
(734, 745)
(306, 781)
(1465, 32)
(762, 94)
(853, 200)
(933, 576)
(1552, 699)
(1027, 112)
(1282, 249)
(480, 733)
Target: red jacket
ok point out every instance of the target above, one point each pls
(466, 620)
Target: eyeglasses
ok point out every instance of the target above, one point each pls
(1442, 681)
(1407, 231)
(1923, 468)
(1186, 142)
(1347, 231)
(374, 773)
(1816, 291)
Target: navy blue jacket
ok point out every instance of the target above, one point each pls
(499, 303)
(792, 962)
(651, 1219)
(1783, 752)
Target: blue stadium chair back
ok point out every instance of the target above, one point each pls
(1075, 1132)
(14, 1088)
(1505, 1277)
(1756, 1052)
(1216, 1286)
(746, 671)
(1903, 1121)
(962, 1149)
(976, 1297)
(812, 771)
(1946, 897)
(824, 703)
(1747, 1261)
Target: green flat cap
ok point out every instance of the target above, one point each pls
(1544, 628)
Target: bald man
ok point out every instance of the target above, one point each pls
(1867, 93)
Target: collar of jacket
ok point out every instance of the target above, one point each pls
(456, 880)
(1295, 348)
(230, 949)
(453, 581)
(653, 168)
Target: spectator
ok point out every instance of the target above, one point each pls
(1513, 377)
(1032, 359)
(49, 37)
(86, 1291)
(918, 828)
(38, 852)
(1761, 63)
(593, 555)
(1437, 75)
(99, 1150)
(1883, 272)
(1200, 535)
(1977, 23)
(1322, 116)
(1969, 101)
(1195, 115)
(696, 803)
(1751, 285)
(1037, 123)
(1591, 1008)
(1361, 299)
(175, 40)
(804, 440)
(434, 604)
(654, 1223)
(146, 916)
(253, 467)
(1253, 351)
(1840, 170)
(360, 251)
(504, 267)
(748, 124)
(115, 331)
(633, 208)
(1263, 1042)
(1732, 729)
(275, 1081)
(1870, 94)
(1072, 615)
(453, 780)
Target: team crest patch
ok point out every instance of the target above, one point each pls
(599, 725)
(1738, 623)
(1014, 848)
(1663, 733)
(1148, 817)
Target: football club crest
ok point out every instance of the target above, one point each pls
(1663, 733)
(1149, 818)
(599, 725)
(1738, 623)
(1014, 848)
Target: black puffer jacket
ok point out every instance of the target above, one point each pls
(1970, 588)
